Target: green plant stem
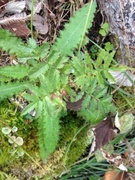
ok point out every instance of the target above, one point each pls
(31, 18)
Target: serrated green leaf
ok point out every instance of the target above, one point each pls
(107, 99)
(100, 93)
(47, 85)
(53, 57)
(32, 43)
(48, 129)
(93, 104)
(109, 76)
(108, 59)
(63, 80)
(38, 70)
(100, 79)
(29, 108)
(16, 72)
(30, 97)
(9, 42)
(43, 50)
(120, 68)
(10, 89)
(59, 63)
(88, 62)
(92, 116)
(59, 102)
(73, 33)
(78, 65)
(55, 81)
(86, 101)
(81, 80)
(39, 109)
(93, 86)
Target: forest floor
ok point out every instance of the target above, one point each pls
(24, 162)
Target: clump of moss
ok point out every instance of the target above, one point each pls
(9, 117)
(71, 146)
(73, 136)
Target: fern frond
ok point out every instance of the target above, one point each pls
(16, 72)
(48, 129)
(10, 89)
(74, 31)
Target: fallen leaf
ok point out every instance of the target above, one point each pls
(104, 132)
(15, 6)
(123, 78)
(115, 159)
(40, 24)
(75, 106)
(18, 27)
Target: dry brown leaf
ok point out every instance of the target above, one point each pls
(115, 175)
(18, 27)
(104, 132)
(115, 159)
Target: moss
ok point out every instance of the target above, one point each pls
(65, 154)
(73, 137)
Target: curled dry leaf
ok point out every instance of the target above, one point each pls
(15, 7)
(104, 132)
(40, 24)
(115, 159)
(16, 23)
